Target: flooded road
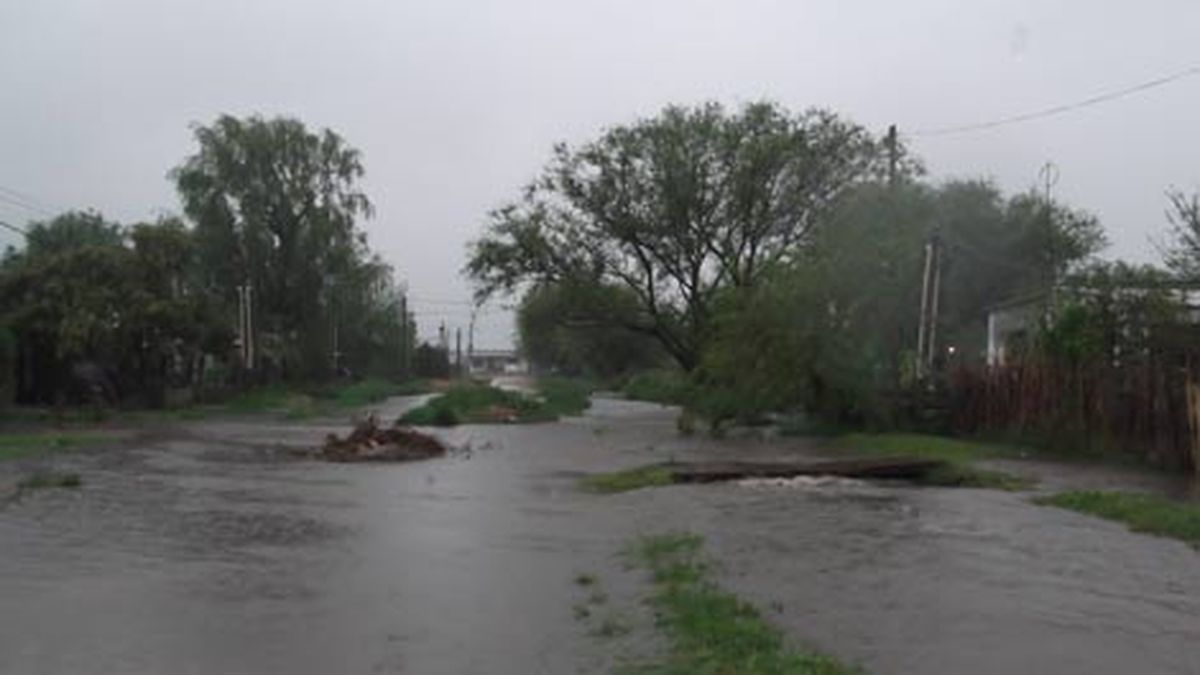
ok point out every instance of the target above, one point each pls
(208, 550)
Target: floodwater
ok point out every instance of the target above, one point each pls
(206, 549)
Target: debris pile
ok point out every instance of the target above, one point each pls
(370, 442)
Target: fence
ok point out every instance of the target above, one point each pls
(1150, 409)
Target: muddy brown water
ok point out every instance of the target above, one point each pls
(207, 550)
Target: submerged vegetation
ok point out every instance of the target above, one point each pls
(710, 630)
(654, 475)
(18, 446)
(1142, 513)
(958, 455)
(475, 403)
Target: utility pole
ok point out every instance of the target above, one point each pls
(893, 154)
(403, 336)
(1049, 175)
(922, 320)
(471, 337)
(246, 325)
(933, 301)
(331, 284)
(458, 362)
(931, 286)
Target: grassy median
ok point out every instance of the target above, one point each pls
(712, 631)
(1142, 513)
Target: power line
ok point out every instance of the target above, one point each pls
(24, 200)
(14, 228)
(1063, 108)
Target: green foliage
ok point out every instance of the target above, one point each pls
(103, 311)
(586, 328)
(964, 476)
(373, 390)
(1142, 513)
(275, 206)
(712, 631)
(957, 454)
(666, 386)
(832, 330)
(1108, 311)
(1183, 254)
(564, 397)
(926, 446)
(654, 475)
(675, 208)
(471, 403)
(18, 446)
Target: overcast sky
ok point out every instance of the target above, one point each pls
(456, 104)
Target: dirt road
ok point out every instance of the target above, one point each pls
(208, 550)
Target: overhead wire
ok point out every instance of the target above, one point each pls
(23, 200)
(1061, 108)
(14, 228)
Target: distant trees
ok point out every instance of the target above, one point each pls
(137, 309)
(676, 208)
(582, 328)
(274, 206)
(85, 292)
(1182, 255)
(835, 330)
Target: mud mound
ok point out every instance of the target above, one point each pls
(369, 442)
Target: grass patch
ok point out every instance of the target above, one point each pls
(1142, 513)
(473, 403)
(48, 479)
(17, 446)
(965, 476)
(712, 631)
(565, 397)
(654, 475)
(958, 455)
(925, 446)
(301, 402)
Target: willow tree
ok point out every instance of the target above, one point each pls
(676, 208)
(274, 206)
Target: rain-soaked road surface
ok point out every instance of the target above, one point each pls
(207, 551)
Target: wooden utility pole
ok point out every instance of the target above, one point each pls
(246, 324)
(403, 336)
(458, 362)
(931, 286)
(933, 300)
(893, 154)
(922, 321)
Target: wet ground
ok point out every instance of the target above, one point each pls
(206, 549)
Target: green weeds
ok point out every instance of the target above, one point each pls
(17, 446)
(654, 475)
(1142, 513)
(712, 631)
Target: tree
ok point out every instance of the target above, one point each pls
(275, 207)
(676, 208)
(89, 296)
(835, 331)
(1183, 255)
(579, 327)
(64, 296)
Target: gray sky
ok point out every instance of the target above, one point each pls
(456, 104)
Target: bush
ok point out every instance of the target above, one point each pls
(669, 387)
